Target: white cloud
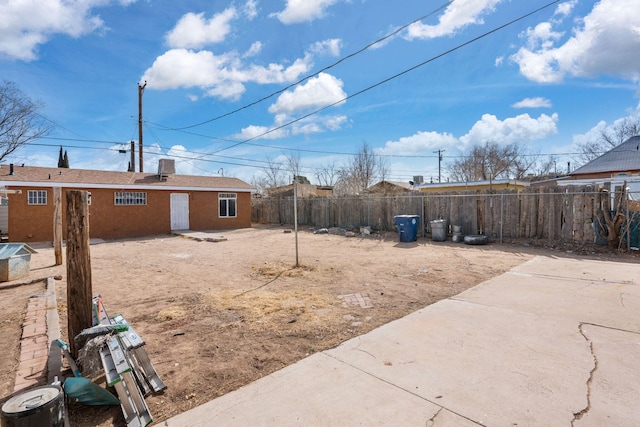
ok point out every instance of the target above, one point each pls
(565, 9)
(256, 48)
(252, 131)
(456, 16)
(227, 90)
(327, 47)
(601, 44)
(422, 143)
(194, 31)
(537, 102)
(318, 124)
(306, 126)
(520, 129)
(250, 9)
(595, 132)
(297, 11)
(316, 92)
(222, 75)
(187, 68)
(27, 24)
(591, 135)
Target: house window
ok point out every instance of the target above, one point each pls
(37, 197)
(130, 198)
(227, 203)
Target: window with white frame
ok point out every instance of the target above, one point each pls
(37, 197)
(130, 198)
(227, 205)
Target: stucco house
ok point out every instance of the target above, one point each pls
(124, 204)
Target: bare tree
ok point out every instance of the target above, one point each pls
(609, 138)
(328, 174)
(548, 167)
(490, 161)
(383, 169)
(274, 174)
(20, 122)
(523, 164)
(360, 173)
(294, 162)
(260, 182)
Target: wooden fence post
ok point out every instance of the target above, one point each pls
(57, 224)
(79, 292)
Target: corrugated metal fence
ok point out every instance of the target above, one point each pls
(565, 214)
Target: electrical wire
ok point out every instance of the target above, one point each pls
(249, 140)
(393, 77)
(328, 67)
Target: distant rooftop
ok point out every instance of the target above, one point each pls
(68, 177)
(625, 157)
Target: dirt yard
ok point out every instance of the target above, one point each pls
(217, 316)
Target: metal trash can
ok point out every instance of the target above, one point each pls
(439, 230)
(41, 407)
(407, 227)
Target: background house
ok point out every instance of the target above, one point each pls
(616, 167)
(303, 190)
(494, 185)
(390, 187)
(124, 204)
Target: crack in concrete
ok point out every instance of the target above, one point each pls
(578, 415)
(432, 421)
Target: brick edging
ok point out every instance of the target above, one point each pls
(39, 331)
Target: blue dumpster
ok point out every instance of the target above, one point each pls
(407, 227)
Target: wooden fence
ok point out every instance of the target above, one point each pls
(557, 214)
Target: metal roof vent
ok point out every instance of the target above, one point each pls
(166, 167)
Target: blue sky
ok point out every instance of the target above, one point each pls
(547, 81)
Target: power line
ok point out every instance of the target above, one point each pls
(248, 141)
(388, 79)
(302, 80)
(339, 153)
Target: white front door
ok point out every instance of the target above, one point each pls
(179, 211)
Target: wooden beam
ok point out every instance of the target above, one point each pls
(57, 224)
(79, 289)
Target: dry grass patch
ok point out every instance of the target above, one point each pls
(271, 270)
(264, 309)
(171, 313)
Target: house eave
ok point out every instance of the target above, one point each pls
(14, 184)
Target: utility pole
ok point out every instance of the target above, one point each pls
(439, 164)
(140, 91)
(132, 164)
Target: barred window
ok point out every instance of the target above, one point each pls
(37, 197)
(130, 198)
(227, 203)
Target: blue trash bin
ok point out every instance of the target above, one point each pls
(407, 227)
